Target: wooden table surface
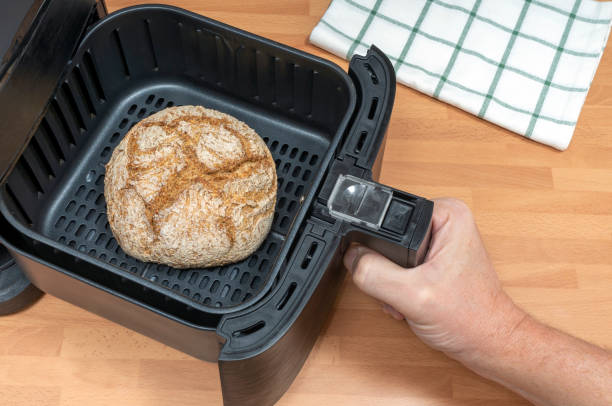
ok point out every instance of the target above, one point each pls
(546, 218)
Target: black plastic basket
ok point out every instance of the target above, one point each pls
(142, 60)
(320, 124)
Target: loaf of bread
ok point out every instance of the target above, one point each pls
(190, 187)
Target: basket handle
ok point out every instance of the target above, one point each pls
(374, 80)
(392, 222)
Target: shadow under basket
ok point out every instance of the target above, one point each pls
(258, 318)
(140, 62)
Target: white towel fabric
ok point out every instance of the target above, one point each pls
(525, 65)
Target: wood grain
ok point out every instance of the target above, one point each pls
(546, 218)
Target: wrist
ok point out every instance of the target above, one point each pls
(496, 335)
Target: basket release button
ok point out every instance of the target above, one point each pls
(397, 217)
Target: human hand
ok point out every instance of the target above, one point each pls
(453, 301)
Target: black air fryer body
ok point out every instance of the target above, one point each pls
(74, 81)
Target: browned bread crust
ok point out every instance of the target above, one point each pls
(190, 187)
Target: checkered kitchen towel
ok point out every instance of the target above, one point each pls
(525, 65)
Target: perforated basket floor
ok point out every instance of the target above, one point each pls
(76, 217)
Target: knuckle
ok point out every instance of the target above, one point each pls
(459, 209)
(425, 297)
(459, 205)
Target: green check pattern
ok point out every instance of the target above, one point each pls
(504, 60)
(525, 65)
(457, 49)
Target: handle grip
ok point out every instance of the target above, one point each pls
(392, 222)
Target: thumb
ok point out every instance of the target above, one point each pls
(381, 278)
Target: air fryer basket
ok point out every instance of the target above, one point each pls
(137, 62)
(260, 318)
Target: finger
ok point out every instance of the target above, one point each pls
(446, 209)
(384, 309)
(381, 278)
(392, 312)
(451, 219)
